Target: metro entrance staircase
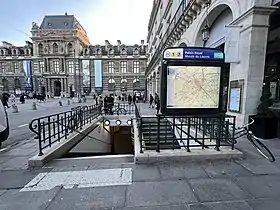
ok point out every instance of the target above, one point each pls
(150, 128)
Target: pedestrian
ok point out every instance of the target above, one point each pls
(22, 99)
(151, 101)
(134, 98)
(129, 99)
(157, 102)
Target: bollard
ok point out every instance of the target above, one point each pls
(68, 102)
(60, 103)
(15, 108)
(34, 107)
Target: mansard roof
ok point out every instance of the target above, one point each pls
(58, 22)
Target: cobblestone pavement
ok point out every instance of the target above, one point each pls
(249, 184)
(19, 130)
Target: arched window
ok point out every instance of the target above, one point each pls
(40, 48)
(55, 48)
(2, 52)
(136, 84)
(69, 48)
(111, 85)
(5, 84)
(14, 52)
(85, 51)
(123, 85)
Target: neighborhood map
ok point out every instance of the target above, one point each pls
(193, 86)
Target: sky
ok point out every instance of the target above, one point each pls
(125, 20)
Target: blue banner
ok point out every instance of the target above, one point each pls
(98, 73)
(28, 75)
(203, 54)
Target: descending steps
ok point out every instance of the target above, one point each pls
(150, 130)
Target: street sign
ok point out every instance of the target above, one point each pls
(202, 54)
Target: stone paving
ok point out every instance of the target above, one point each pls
(249, 184)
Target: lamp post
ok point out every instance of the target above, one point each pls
(75, 74)
(206, 30)
(205, 34)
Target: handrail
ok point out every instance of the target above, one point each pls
(53, 128)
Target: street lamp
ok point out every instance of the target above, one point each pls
(205, 34)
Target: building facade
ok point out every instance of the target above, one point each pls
(60, 61)
(247, 31)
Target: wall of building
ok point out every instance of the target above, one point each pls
(252, 19)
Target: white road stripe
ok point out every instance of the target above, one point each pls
(82, 179)
(23, 125)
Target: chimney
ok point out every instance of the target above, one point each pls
(142, 45)
(107, 43)
(119, 44)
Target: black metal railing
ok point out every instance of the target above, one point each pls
(177, 132)
(53, 128)
(119, 109)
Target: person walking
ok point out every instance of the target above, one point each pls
(129, 99)
(151, 101)
(157, 102)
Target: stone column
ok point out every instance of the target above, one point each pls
(158, 84)
(252, 54)
(154, 85)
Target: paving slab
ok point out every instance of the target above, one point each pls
(171, 207)
(145, 173)
(80, 179)
(16, 163)
(181, 171)
(18, 178)
(265, 186)
(2, 192)
(159, 193)
(15, 200)
(261, 204)
(222, 169)
(260, 166)
(209, 190)
(238, 205)
(89, 198)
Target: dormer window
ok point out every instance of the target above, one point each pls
(65, 23)
(14, 52)
(98, 51)
(49, 24)
(123, 51)
(2, 52)
(136, 51)
(111, 51)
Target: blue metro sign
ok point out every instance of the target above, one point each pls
(194, 54)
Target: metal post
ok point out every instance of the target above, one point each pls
(158, 132)
(75, 74)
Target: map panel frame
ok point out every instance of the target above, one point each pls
(171, 111)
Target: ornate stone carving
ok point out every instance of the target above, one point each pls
(34, 26)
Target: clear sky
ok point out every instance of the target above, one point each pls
(126, 20)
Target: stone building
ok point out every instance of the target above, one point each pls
(118, 69)
(60, 61)
(247, 31)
